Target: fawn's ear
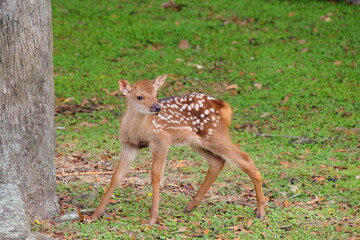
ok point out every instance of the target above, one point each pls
(159, 81)
(125, 87)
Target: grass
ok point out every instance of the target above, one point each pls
(295, 66)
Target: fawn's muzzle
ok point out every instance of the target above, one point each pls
(156, 108)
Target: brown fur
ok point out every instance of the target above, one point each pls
(195, 120)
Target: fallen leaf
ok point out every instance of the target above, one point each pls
(287, 204)
(340, 168)
(282, 175)
(172, 5)
(65, 100)
(258, 85)
(145, 228)
(265, 114)
(326, 17)
(105, 120)
(291, 14)
(163, 227)
(247, 187)
(37, 221)
(183, 229)
(286, 98)
(284, 108)
(198, 66)
(317, 199)
(184, 44)
(179, 165)
(206, 231)
(284, 163)
(86, 124)
(337, 63)
(304, 50)
(231, 87)
(320, 178)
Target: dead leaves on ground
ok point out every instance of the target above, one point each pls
(172, 5)
(67, 106)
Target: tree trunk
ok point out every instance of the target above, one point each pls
(27, 172)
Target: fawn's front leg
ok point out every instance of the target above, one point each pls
(127, 156)
(157, 170)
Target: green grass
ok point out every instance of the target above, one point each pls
(297, 70)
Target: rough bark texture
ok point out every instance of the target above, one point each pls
(27, 172)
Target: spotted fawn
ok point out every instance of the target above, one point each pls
(194, 120)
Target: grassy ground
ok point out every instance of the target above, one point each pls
(288, 68)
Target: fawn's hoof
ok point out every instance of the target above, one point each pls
(260, 214)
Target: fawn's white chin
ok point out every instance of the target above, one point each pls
(148, 113)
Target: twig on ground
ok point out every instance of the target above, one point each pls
(299, 140)
(95, 173)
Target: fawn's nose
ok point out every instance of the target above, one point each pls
(156, 108)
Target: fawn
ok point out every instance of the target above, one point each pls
(194, 120)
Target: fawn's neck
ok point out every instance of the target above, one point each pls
(135, 126)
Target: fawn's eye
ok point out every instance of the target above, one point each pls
(139, 97)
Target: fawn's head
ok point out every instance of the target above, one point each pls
(143, 95)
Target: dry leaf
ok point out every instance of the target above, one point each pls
(206, 231)
(247, 187)
(287, 204)
(258, 85)
(105, 120)
(198, 66)
(231, 87)
(179, 165)
(284, 108)
(183, 229)
(172, 5)
(184, 44)
(326, 17)
(337, 63)
(304, 50)
(291, 14)
(282, 175)
(285, 163)
(317, 199)
(86, 124)
(265, 114)
(287, 97)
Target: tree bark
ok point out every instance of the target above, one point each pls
(27, 172)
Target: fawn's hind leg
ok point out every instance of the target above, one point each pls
(227, 151)
(215, 165)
